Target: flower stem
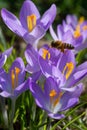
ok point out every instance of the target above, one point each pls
(12, 114)
(4, 111)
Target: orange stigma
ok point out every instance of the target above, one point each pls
(31, 22)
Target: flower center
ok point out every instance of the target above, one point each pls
(54, 99)
(77, 32)
(31, 22)
(14, 77)
(45, 54)
(68, 69)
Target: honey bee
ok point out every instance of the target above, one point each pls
(61, 45)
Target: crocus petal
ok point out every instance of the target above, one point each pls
(53, 34)
(4, 55)
(35, 76)
(1, 71)
(3, 59)
(33, 37)
(67, 27)
(67, 56)
(12, 22)
(29, 39)
(81, 47)
(8, 51)
(72, 19)
(83, 66)
(50, 84)
(5, 94)
(47, 69)
(48, 17)
(50, 70)
(70, 98)
(56, 116)
(32, 59)
(60, 32)
(38, 32)
(78, 41)
(68, 38)
(28, 8)
(55, 55)
(39, 96)
(22, 88)
(5, 81)
(78, 74)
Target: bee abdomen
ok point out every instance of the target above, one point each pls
(68, 46)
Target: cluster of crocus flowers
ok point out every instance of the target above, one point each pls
(54, 74)
(59, 74)
(72, 31)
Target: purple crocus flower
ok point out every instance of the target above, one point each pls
(65, 34)
(78, 29)
(12, 83)
(32, 57)
(4, 55)
(72, 31)
(52, 99)
(66, 70)
(30, 25)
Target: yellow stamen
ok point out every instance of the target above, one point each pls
(13, 79)
(81, 20)
(52, 95)
(54, 100)
(77, 32)
(68, 69)
(84, 28)
(45, 54)
(58, 99)
(31, 22)
(17, 71)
